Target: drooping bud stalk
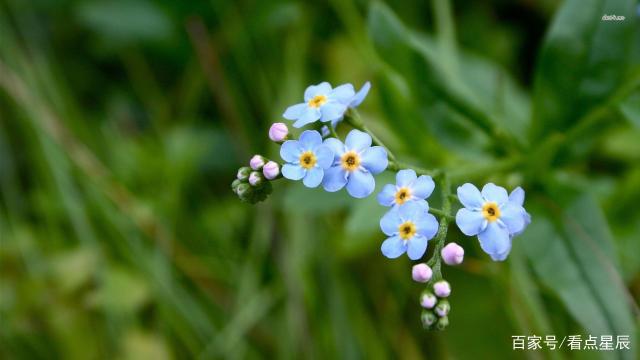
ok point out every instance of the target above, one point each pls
(452, 254)
(255, 178)
(278, 132)
(421, 273)
(428, 300)
(442, 289)
(442, 308)
(271, 170)
(256, 162)
(243, 173)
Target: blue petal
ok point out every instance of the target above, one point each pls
(357, 140)
(324, 88)
(334, 179)
(310, 139)
(503, 255)
(361, 184)
(390, 222)
(360, 95)
(422, 187)
(470, 197)
(495, 241)
(527, 221)
(417, 247)
(492, 192)
(295, 111)
(426, 225)
(405, 177)
(313, 177)
(517, 196)
(332, 111)
(469, 221)
(324, 156)
(375, 159)
(308, 116)
(290, 151)
(512, 216)
(292, 172)
(343, 94)
(386, 197)
(411, 210)
(393, 247)
(336, 146)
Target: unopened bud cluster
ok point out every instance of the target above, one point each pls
(435, 305)
(252, 183)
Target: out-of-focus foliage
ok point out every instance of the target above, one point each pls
(122, 124)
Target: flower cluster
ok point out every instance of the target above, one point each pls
(319, 157)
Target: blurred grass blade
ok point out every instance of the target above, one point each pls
(575, 260)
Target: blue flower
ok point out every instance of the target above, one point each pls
(491, 216)
(307, 158)
(408, 187)
(354, 164)
(321, 102)
(409, 227)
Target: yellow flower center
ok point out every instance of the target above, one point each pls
(406, 230)
(490, 211)
(402, 195)
(350, 161)
(308, 160)
(317, 101)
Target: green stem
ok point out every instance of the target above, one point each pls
(435, 261)
(441, 213)
(333, 132)
(353, 118)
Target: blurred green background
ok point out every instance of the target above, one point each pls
(122, 125)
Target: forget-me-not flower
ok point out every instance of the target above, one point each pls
(491, 216)
(409, 227)
(408, 187)
(307, 158)
(321, 102)
(354, 164)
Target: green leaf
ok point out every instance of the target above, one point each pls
(575, 259)
(472, 86)
(582, 62)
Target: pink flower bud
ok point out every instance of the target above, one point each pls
(421, 273)
(278, 132)
(256, 162)
(271, 170)
(452, 254)
(255, 178)
(442, 288)
(428, 300)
